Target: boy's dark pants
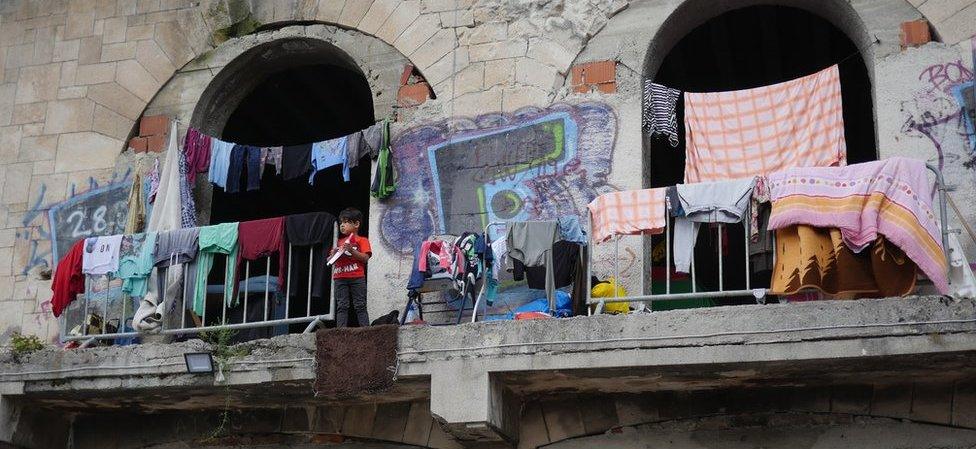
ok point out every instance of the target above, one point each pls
(350, 291)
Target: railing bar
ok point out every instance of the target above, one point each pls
(721, 273)
(223, 297)
(694, 282)
(203, 319)
(267, 286)
(616, 265)
(667, 253)
(676, 296)
(332, 302)
(186, 270)
(747, 234)
(108, 288)
(651, 264)
(247, 276)
(589, 261)
(308, 304)
(84, 315)
(288, 283)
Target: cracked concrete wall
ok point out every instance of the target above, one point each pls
(76, 77)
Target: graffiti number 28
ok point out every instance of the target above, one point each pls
(78, 218)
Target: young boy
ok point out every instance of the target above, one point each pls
(349, 271)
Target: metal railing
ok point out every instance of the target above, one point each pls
(758, 293)
(80, 311)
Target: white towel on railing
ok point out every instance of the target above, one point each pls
(707, 202)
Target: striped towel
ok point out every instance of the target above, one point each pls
(892, 198)
(659, 112)
(731, 135)
(627, 213)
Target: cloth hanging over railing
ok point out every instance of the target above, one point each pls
(892, 198)
(758, 131)
(627, 213)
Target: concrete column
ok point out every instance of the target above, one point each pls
(473, 407)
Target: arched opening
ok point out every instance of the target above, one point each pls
(743, 48)
(287, 92)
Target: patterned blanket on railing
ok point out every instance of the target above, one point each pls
(628, 212)
(891, 197)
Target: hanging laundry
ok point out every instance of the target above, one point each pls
(262, 238)
(101, 255)
(760, 196)
(220, 152)
(327, 154)
(961, 276)
(135, 219)
(499, 248)
(69, 281)
(628, 212)
(673, 202)
(892, 198)
(167, 210)
(136, 262)
(799, 123)
(153, 179)
(356, 149)
(707, 202)
(196, 146)
(296, 161)
(244, 157)
(174, 249)
(216, 239)
(384, 181)
(188, 207)
(808, 257)
(531, 242)
(271, 156)
(570, 229)
(313, 230)
(660, 111)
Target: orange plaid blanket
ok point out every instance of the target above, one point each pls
(627, 213)
(751, 132)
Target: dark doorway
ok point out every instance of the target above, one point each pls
(296, 105)
(759, 46)
(745, 48)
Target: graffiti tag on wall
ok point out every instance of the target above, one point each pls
(533, 164)
(944, 112)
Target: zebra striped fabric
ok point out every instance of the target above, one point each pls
(660, 116)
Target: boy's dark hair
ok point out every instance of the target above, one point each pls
(351, 214)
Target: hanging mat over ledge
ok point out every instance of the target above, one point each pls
(355, 360)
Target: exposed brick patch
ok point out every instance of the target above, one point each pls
(598, 75)
(153, 125)
(138, 144)
(414, 89)
(915, 33)
(156, 144)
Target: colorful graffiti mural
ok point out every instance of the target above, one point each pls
(529, 165)
(534, 164)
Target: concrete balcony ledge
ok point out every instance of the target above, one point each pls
(475, 376)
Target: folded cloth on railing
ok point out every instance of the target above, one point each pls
(176, 246)
(262, 238)
(628, 212)
(136, 262)
(565, 256)
(808, 257)
(892, 198)
(530, 242)
(751, 132)
(296, 161)
(312, 229)
(216, 239)
(707, 202)
(68, 279)
(253, 285)
(101, 255)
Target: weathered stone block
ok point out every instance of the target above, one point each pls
(359, 420)
(417, 430)
(66, 50)
(531, 72)
(10, 137)
(379, 11)
(390, 421)
(86, 151)
(454, 19)
(136, 79)
(517, 97)
(405, 14)
(417, 33)
(470, 79)
(484, 33)
(111, 124)
(445, 5)
(172, 40)
(442, 43)
(932, 403)
(353, 12)
(152, 58)
(139, 32)
(478, 102)
(117, 99)
(79, 24)
(853, 399)
(330, 10)
(551, 53)
(511, 48)
(90, 50)
(444, 67)
(893, 401)
(28, 113)
(65, 93)
(113, 30)
(16, 186)
(69, 116)
(38, 83)
(118, 52)
(499, 72)
(38, 148)
(95, 73)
